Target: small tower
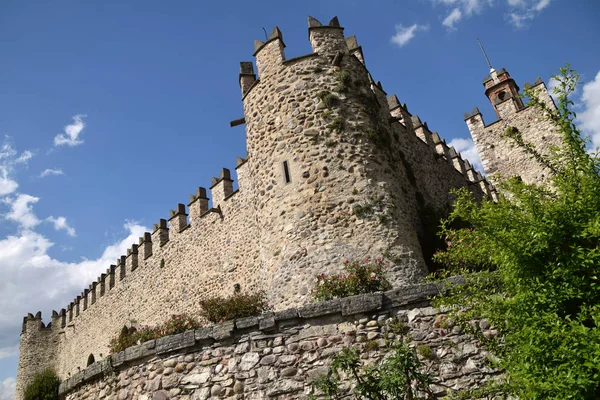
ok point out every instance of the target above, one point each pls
(499, 154)
(500, 88)
(503, 92)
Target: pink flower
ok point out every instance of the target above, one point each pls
(379, 260)
(449, 244)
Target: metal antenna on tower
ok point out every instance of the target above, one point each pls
(485, 55)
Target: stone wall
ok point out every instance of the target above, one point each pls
(323, 181)
(277, 355)
(499, 155)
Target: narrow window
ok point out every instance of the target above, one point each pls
(90, 360)
(286, 172)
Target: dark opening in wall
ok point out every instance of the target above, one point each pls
(286, 172)
(90, 360)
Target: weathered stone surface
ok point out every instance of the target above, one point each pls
(283, 362)
(249, 360)
(295, 216)
(175, 342)
(223, 331)
(361, 303)
(320, 309)
(196, 379)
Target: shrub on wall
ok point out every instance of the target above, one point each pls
(219, 309)
(361, 277)
(130, 337)
(43, 387)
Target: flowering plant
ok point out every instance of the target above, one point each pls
(131, 336)
(220, 309)
(361, 277)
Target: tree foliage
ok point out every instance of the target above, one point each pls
(531, 264)
(397, 376)
(44, 386)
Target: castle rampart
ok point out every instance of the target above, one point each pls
(335, 170)
(499, 155)
(277, 355)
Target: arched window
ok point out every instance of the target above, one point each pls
(90, 360)
(502, 96)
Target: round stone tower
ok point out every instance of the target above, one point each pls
(328, 186)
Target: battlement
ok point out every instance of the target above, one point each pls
(335, 169)
(498, 154)
(147, 251)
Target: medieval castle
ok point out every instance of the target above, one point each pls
(335, 169)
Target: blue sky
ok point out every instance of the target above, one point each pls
(112, 112)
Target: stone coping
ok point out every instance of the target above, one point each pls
(266, 323)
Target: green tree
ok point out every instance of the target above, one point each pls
(531, 265)
(43, 387)
(397, 376)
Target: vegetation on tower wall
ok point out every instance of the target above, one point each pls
(531, 266)
(44, 386)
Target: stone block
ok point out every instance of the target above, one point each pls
(92, 371)
(118, 359)
(266, 321)
(284, 315)
(248, 322)
(361, 303)
(223, 331)
(135, 352)
(203, 333)
(320, 309)
(175, 342)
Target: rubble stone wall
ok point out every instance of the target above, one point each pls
(278, 355)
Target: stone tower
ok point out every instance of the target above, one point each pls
(308, 125)
(335, 169)
(499, 154)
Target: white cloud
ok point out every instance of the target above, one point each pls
(541, 5)
(452, 18)
(70, 137)
(60, 223)
(7, 185)
(518, 12)
(21, 211)
(467, 150)
(50, 172)
(9, 352)
(24, 157)
(589, 118)
(7, 388)
(8, 162)
(405, 34)
(24, 257)
(552, 84)
(524, 11)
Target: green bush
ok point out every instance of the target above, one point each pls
(43, 387)
(130, 337)
(219, 309)
(530, 265)
(360, 277)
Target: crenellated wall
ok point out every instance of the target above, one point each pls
(335, 170)
(499, 154)
(278, 355)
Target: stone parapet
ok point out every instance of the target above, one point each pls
(279, 354)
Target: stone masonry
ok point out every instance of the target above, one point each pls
(499, 155)
(335, 169)
(278, 355)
